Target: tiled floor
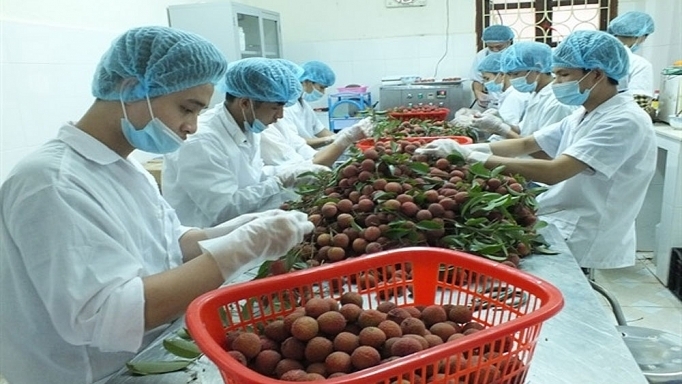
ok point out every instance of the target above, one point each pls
(644, 300)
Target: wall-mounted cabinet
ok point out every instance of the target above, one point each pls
(238, 30)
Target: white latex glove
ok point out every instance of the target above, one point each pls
(465, 112)
(265, 238)
(230, 225)
(444, 147)
(490, 111)
(491, 124)
(355, 132)
(291, 176)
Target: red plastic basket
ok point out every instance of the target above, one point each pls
(365, 144)
(513, 320)
(437, 114)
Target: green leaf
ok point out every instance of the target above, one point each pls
(184, 334)
(479, 169)
(420, 168)
(322, 201)
(473, 222)
(429, 225)
(300, 265)
(539, 225)
(496, 171)
(156, 367)
(397, 233)
(455, 158)
(181, 347)
(496, 258)
(263, 270)
(544, 250)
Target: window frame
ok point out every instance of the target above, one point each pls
(543, 34)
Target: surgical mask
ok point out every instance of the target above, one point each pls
(155, 137)
(569, 92)
(257, 126)
(312, 96)
(521, 85)
(492, 86)
(635, 47)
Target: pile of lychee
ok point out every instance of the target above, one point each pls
(327, 339)
(377, 204)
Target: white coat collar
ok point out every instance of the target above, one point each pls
(86, 145)
(231, 126)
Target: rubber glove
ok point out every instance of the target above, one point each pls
(289, 177)
(444, 147)
(230, 225)
(491, 111)
(355, 132)
(265, 238)
(491, 124)
(465, 112)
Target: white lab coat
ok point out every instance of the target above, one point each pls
(542, 110)
(217, 174)
(512, 105)
(281, 145)
(596, 209)
(80, 228)
(474, 74)
(302, 116)
(640, 77)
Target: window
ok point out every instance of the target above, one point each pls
(545, 21)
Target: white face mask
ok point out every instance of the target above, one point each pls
(569, 92)
(155, 137)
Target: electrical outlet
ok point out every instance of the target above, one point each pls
(405, 3)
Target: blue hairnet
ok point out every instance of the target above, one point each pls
(592, 50)
(318, 72)
(491, 63)
(156, 61)
(497, 34)
(262, 79)
(527, 56)
(631, 24)
(296, 69)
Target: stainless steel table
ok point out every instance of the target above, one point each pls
(580, 345)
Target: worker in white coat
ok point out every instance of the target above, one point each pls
(94, 264)
(496, 38)
(602, 156)
(281, 145)
(528, 65)
(218, 173)
(315, 79)
(632, 29)
(511, 104)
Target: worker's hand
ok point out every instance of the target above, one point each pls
(482, 99)
(265, 238)
(230, 225)
(443, 147)
(491, 111)
(357, 131)
(465, 112)
(491, 124)
(291, 176)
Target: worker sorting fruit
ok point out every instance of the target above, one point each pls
(218, 174)
(94, 264)
(600, 158)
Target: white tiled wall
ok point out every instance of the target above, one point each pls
(366, 61)
(46, 75)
